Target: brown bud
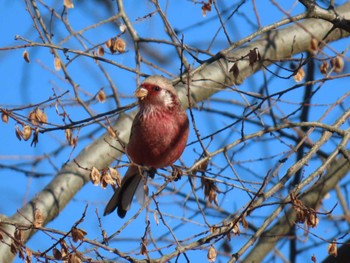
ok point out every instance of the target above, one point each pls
(26, 56)
(101, 96)
(206, 7)
(313, 45)
(4, 117)
(100, 51)
(109, 43)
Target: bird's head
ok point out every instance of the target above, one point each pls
(156, 91)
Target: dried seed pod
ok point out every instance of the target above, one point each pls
(57, 63)
(332, 249)
(18, 133)
(119, 45)
(64, 247)
(68, 3)
(56, 254)
(210, 190)
(37, 116)
(95, 176)
(337, 64)
(235, 229)
(32, 118)
(115, 175)
(324, 67)
(26, 132)
(78, 234)
(299, 76)
(312, 220)
(211, 256)
(106, 179)
(40, 115)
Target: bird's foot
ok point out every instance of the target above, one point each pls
(176, 173)
(151, 172)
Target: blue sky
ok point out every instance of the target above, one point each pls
(22, 84)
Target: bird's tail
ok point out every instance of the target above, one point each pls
(123, 196)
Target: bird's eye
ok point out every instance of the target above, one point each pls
(156, 88)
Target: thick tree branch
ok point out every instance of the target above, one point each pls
(205, 81)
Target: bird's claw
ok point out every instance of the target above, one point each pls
(176, 173)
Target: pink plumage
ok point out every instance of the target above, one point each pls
(158, 137)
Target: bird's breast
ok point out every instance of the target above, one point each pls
(158, 139)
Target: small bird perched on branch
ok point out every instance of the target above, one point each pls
(158, 137)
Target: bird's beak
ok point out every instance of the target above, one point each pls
(141, 93)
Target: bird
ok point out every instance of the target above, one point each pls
(158, 137)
